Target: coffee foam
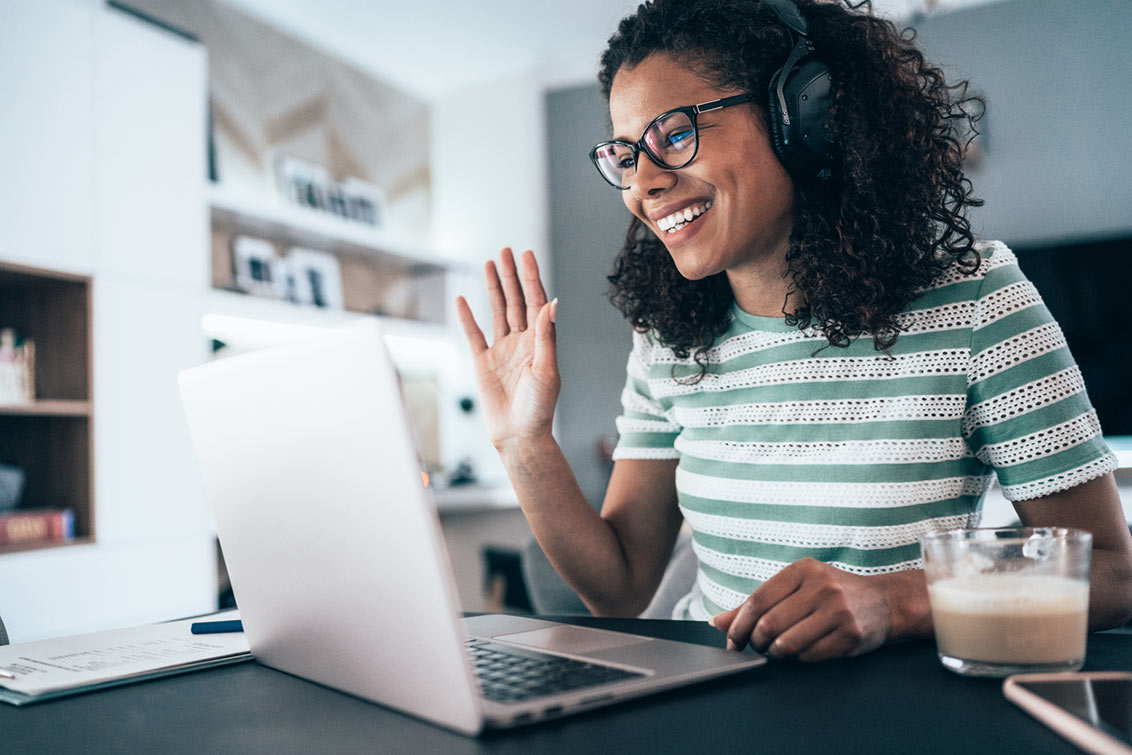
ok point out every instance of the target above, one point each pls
(1012, 593)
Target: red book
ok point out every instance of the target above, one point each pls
(37, 526)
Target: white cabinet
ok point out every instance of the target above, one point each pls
(150, 103)
(46, 197)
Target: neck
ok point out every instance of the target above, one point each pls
(760, 286)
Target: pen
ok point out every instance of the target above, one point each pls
(214, 627)
(6, 675)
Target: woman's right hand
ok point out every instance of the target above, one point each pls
(518, 373)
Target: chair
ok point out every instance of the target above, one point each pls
(550, 595)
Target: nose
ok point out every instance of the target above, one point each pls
(650, 179)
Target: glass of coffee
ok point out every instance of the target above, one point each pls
(1009, 601)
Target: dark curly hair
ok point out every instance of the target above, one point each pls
(890, 219)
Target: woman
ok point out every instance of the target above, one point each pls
(826, 364)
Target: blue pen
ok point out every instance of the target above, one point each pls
(214, 627)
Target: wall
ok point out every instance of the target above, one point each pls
(488, 179)
(488, 191)
(588, 223)
(1059, 148)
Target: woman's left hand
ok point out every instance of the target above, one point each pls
(811, 611)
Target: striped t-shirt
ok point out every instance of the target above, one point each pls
(849, 455)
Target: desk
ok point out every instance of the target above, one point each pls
(897, 699)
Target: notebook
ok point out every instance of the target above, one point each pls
(333, 545)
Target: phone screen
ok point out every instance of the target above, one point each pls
(1104, 703)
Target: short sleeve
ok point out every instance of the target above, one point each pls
(1028, 414)
(645, 430)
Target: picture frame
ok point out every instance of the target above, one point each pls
(311, 186)
(257, 267)
(314, 278)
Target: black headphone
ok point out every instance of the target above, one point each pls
(799, 102)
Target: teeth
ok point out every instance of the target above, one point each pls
(679, 219)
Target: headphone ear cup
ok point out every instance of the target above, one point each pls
(803, 146)
(807, 95)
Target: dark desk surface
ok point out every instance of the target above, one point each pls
(898, 699)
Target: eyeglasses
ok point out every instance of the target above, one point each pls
(671, 141)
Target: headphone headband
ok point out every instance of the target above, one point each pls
(798, 101)
(789, 14)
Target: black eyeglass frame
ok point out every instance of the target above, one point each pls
(640, 146)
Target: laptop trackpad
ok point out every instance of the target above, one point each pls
(571, 639)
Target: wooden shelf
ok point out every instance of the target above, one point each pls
(51, 437)
(43, 546)
(48, 408)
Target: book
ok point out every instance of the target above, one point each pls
(31, 526)
(46, 669)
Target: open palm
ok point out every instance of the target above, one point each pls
(518, 373)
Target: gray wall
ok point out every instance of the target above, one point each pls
(1059, 123)
(1057, 166)
(587, 226)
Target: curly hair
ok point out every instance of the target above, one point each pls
(890, 219)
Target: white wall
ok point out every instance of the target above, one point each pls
(488, 171)
(489, 190)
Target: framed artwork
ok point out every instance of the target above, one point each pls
(257, 266)
(314, 278)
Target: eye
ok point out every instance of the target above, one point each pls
(681, 139)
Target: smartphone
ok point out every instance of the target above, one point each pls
(1092, 709)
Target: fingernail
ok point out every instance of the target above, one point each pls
(731, 644)
(711, 621)
(554, 310)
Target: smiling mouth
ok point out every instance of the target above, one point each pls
(678, 220)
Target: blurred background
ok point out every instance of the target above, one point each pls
(187, 180)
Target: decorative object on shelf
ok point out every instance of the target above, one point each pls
(309, 185)
(11, 486)
(314, 278)
(259, 270)
(37, 526)
(17, 368)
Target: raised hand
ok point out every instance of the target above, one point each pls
(517, 374)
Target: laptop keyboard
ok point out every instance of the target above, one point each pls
(509, 675)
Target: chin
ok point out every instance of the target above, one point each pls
(692, 269)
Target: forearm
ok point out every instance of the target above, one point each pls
(583, 547)
(1110, 590)
(1095, 507)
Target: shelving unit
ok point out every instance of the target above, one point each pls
(403, 283)
(50, 438)
(381, 274)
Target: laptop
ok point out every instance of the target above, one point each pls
(338, 563)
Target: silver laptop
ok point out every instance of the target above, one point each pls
(338, 564)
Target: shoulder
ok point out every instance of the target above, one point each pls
(997, 268)
(993, 255)
(965, 298)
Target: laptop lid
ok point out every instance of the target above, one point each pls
(332, 543)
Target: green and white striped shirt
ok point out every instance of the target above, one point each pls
(848, 456)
